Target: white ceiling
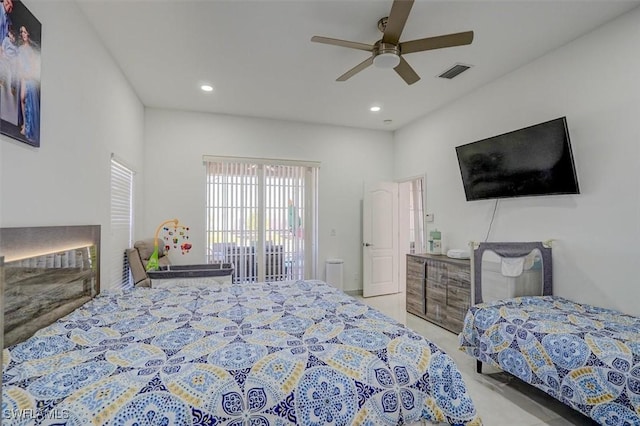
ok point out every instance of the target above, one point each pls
(259, 56)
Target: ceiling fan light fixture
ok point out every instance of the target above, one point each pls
(386, 52)
(386, 60)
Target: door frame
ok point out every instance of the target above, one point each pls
(403, 237)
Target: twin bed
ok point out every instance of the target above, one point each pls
(586, 357)
(298, 352)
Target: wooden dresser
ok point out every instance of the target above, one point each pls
(439, 289)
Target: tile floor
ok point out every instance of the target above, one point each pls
(501, 399)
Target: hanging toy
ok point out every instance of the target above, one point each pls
(170, 238)
(174, 237)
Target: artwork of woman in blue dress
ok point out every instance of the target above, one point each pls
(29, 69)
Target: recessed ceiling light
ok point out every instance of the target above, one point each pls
(206, 88)
(375, 109)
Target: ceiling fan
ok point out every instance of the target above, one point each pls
(387, 52)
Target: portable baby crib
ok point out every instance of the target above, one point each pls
(168, 274)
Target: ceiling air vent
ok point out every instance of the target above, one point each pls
(454, 71)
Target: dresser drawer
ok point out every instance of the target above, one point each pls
(458, 302)
(415, 284)
(436, 311)
(456, 314)
(436, 271)
(436, 290)
(456, 293)
(458, 276)
(415, 267)
(415, 304)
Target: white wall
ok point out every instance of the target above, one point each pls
(593, 81)
(175, 175)
(88, 111)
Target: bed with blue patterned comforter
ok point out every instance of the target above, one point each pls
(253, 354)
(585, 356)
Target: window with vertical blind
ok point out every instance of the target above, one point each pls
(121, 223)
(261, 215)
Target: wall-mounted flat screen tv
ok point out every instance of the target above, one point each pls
(536, 160)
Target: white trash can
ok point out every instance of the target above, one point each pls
(334, 272)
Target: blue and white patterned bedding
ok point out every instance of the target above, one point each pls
(260, 354)
(585, 356)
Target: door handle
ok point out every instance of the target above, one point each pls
(367, 245)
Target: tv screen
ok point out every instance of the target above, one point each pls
(536, 160)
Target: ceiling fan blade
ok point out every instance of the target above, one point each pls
(353, 71)
(439, 42)
(343, 43)
(405, 71)
(397, 19)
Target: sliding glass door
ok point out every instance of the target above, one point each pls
(261, 216)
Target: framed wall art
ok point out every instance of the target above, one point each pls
(20, 47)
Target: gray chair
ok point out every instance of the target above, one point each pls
(138, 257)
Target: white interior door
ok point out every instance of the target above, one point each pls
(380, 239)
